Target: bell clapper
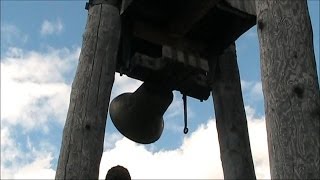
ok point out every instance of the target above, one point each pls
(184, 98)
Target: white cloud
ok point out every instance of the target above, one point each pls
(176, 104)
(11, 34)
(123, 84)
(51, 27)
(18, 164)
(9, 151)
(257, 90)
(188, 161)
(33, 87)
(197, 158)
(110, 140)
(252, 91)
(40, 168)
(174, 111)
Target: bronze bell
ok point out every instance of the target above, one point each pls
(139, 115)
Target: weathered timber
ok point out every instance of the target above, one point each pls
(204, 27)
(83, 134)
(290, 88)
(179, 70)
(144, 31)
(247, 6)
(124, 5)
(188, 14)
(231, 119)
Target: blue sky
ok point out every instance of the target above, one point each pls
(40, 46)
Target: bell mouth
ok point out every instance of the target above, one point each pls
(139, 115)
(132, 127)
(146, 137)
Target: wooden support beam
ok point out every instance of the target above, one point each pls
(247, 6)
(186, 58)
(188, 14)
(84, 130)
(290, 87)
(124, 5)
(156, 36)
(231, 119)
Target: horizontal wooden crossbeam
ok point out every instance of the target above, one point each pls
(190, 12)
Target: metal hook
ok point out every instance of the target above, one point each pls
(184, 98)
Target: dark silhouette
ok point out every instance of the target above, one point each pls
(118, 173)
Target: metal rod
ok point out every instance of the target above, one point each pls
(185, 130)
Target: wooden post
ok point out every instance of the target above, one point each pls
(231, 119)
(290, 88)
(83, 134)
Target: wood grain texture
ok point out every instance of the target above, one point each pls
(231, 118)
(290, 88)
(83, 134)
